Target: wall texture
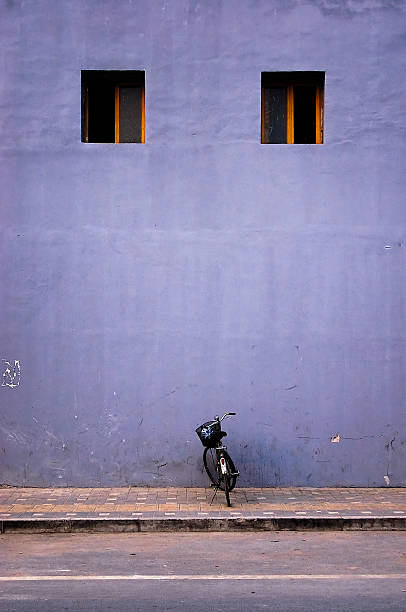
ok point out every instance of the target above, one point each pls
(146, 287)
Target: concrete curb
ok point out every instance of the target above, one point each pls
(201, 524)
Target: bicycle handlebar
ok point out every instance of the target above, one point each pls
(225, 415)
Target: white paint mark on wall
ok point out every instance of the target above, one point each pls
(17, 436)
(11, 374)
(386, 479)
(50, 434)
(335, 438)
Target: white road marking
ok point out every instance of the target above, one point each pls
(207, 577)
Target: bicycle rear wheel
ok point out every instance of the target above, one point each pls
(213, 469)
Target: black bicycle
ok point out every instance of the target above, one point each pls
(217, 462)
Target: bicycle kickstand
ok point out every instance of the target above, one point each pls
(215, 493)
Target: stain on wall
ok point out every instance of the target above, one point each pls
(147, 287)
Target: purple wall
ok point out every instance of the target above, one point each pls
(147, 287)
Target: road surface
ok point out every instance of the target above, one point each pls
(278, 571)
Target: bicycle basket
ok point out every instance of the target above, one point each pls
(209, 433)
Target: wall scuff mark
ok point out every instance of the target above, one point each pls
(11, 374)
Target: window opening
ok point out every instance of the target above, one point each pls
(113, 106)
(292, 107)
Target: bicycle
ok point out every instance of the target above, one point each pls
(216, 460)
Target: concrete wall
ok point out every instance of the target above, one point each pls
(147, 287)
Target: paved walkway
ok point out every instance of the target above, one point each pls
(20, 506)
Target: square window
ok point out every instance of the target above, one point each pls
(292, 107)
(113, 106)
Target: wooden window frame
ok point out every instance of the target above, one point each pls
(117, 110)
(86, 114)
(290, 106)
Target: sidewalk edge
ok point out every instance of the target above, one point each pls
(201, 524)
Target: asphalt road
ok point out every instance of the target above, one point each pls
(280, 571)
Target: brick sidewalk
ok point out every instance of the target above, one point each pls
(138, 504)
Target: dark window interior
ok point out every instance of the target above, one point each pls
(103, 117)
(305, 114)
(101, 96)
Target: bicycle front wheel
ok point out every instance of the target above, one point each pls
(226, 481)
(212, 468)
